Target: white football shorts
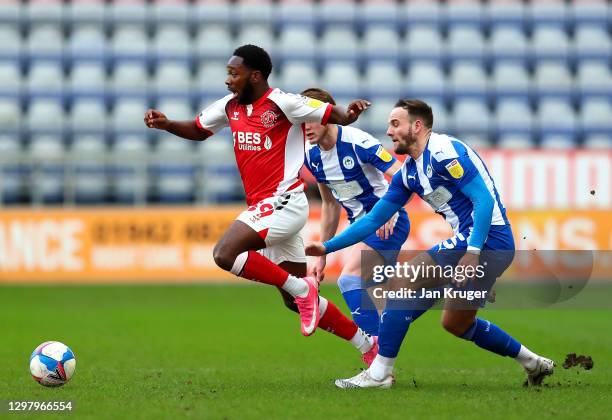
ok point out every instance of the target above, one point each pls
(279, 221)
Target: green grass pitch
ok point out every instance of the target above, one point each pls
(234, 352)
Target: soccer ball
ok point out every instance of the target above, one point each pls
(52, 363)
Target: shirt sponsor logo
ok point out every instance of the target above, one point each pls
(248, 141)
(267, 143)
(382, 153)
(454, 169)
(269, 118)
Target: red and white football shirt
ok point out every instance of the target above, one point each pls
(268, 138)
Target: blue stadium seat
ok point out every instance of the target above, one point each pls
(87, 79)
(211, 12)
(376, 12)
(339, 43)
(337, 12)
(174, 171)
(129, 12)
(596, 117)
(550, 12)
(253, 11)
(11, 73)
(423, 12)
(423, 43)
(214, 42)
(426, 79)
(12, 11)
(173, 79)
(258, 33)
(513, 118)
(471, 12)
(46, 116)
(87, 116)
(129, 79)
(552, 79)
(128, 114)
(466, 42)
(592, 42)
(129, 169)
(594, 78)
(381, 42)
(85, 11)
(289, 12)
(505, 13)
(45, 42)
(171, 11)
(383, 78)
(10, 116)
(468, 78)
(471, 121)
(510, 79)
(44, 11)
(590, 12)
(508, 42)
(130, 41)
(12, 171)
(549, 42)
(210, 79)
(46, 79)
(11, 44)
(297, 42)
(556, 117)
(87, 42)
(47, 171)
(88, 153)
(172, 42)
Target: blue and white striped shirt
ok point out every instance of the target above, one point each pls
(446, 165)
(353, 169)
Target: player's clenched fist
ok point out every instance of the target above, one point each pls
(155, 119)
(315, 249)
(355, 108)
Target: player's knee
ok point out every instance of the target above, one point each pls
(454, 326)
(348, 282)
(223, 258)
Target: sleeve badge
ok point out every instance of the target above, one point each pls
(382, 153)
(455, 169)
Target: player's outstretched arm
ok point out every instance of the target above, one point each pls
(185, 129)
(349, 115)
(358, 231)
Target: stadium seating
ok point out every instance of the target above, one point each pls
(82, 72)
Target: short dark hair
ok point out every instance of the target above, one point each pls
(320, 94)
(255, 58)
(417, 108)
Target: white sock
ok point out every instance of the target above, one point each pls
(295, 286)
(362, 341)
(322, 306)
(381, 367)
(527, 358)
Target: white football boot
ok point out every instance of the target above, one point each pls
(544, 367)
(364, 380)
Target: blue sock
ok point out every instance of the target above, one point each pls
(362, 308)
(490, 337)
(394, 324)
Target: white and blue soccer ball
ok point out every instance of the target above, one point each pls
(52, 363)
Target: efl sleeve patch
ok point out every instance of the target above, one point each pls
(455, 169)
(314, 103)
(382, 153)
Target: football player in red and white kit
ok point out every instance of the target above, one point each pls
(264, 242)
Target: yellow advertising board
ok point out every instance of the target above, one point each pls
(175, 244)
